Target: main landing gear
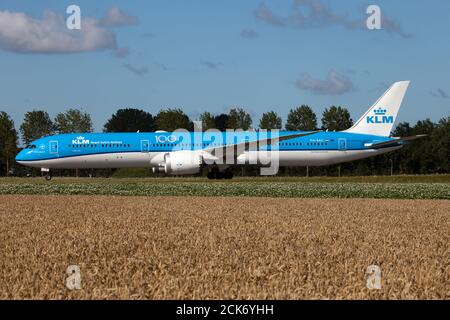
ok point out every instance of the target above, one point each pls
(216, 174)
(220, 175)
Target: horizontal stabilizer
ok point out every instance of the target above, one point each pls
(393, 143)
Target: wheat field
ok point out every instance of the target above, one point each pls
(223, 247)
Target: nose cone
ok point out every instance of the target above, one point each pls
(21, 156)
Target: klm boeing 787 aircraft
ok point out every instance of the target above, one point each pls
(187, 153)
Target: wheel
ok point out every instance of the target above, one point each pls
(228, 175)
(48, 177)
(220, 175)
(211, 175)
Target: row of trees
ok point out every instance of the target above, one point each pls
(300, 118)
(37, 123)
(424, 157)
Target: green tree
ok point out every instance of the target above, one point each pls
(301, 118)
(8, 142)
(173, 119)
(401, 158)
(419, 155)
(130, 120)
(270, 120)
(424, 127)
(208, 121)
(422, 150)
(238, 118)
(73, 120)
(221, 121)
(403, 129)
(336, 119)
(441, 145)
(37, 124)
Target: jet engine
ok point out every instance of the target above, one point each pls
(180, 163)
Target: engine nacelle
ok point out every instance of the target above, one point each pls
(180, 163)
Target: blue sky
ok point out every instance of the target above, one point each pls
(211, 55)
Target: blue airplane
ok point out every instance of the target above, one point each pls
(187, 153)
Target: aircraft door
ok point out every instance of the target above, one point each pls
(145, 146)
(342, 144)
(53, 147)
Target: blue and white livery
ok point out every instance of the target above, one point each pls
(186, 153)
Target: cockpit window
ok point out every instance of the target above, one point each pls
(31, 146)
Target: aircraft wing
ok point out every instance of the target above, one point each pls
(239, 148)
(393, 143)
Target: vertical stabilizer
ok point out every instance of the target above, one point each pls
(380, 117)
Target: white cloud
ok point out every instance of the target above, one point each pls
(335, 83)
(122, 52)
(24, 34)
(249, 33)
(118, 18)
(265, 14)
(439, 93)
(139, 71)
(211, 65)
(306, 14)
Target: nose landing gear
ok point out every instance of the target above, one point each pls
(47, 174)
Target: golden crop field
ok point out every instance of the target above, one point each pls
(223, 248)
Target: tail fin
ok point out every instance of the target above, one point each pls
(380, 117)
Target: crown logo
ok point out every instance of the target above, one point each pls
(380, 111)
(80, 138)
